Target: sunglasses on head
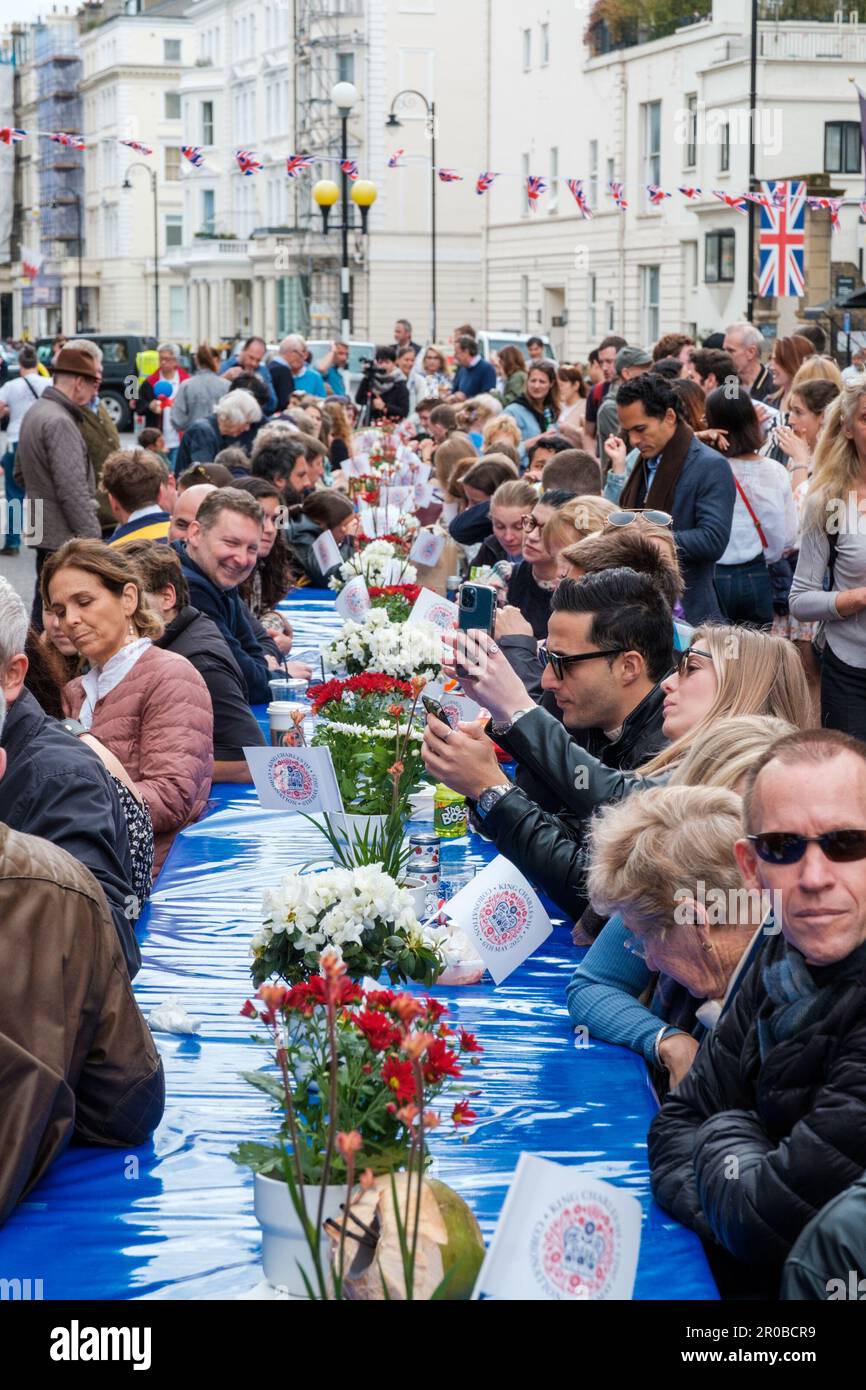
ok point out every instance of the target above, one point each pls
(784, 847)
(557, 662)
(647, 513)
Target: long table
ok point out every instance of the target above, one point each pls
(174, 1219)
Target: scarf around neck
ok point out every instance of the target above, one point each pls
(664, 484)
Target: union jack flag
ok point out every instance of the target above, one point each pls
(394, 161)
(616, 189)
(449, 176)
(732, 200)
(832, 205)
(296, 162)
(535, 186)
(655, 194)
(247, 161)
(137, 146)
(60, 137)
(575, 187)
(689, 192)
(484, 182)
(350, 168)
(194, 153)
(781, 246)
(10, 136)
(759, 198)
(31, 262)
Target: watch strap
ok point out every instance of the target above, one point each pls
(500, 729)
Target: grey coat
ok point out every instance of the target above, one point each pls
(53, 468)
(196, 398)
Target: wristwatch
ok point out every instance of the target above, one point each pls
(499, 729)
(489, 797)
(72, 726)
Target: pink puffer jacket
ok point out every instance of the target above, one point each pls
(159, 723)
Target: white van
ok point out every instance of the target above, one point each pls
(490, 342)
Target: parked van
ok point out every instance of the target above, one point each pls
(490, 342)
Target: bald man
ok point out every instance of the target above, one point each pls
(185, 510)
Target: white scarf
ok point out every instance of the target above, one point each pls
(99, 680)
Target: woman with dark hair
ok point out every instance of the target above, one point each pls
(197, 396)
(320, 512)
(537, 409)
(789, 354)
(692, 403)
(573, 393)
(512, 370)
(764, 523)
(272, 578)
(479, 481)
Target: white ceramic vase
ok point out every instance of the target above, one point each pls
(284, 1245)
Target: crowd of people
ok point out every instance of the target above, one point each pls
(677, 672)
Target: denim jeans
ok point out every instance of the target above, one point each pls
(14, 493)
(745, 592)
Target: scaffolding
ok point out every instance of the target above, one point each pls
(57, 64)
(322, 30)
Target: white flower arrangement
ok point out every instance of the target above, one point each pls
(381, 730)
(379, 564)
(378, 644)
(354, 912)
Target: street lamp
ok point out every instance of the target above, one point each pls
(138, 164)
(326, 194)
(394, 123)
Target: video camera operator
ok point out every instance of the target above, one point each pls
(383, 392)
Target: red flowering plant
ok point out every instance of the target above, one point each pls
(368, 722)
(398, 600)
(356, 1074)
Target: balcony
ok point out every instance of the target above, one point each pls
(616, 24)
(226, 253)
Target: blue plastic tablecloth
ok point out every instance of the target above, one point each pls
(175, 1219)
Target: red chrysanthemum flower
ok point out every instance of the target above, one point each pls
(249, 1010)
(462, 1114)
(379, 998)
(347, 992)
(399, 1078)
(377, 1028)
(440, 1062)
(435, 1010)
(469, 1042)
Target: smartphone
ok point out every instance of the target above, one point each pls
(477, 608)
(435, 708)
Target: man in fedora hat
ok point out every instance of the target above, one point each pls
(52, 463)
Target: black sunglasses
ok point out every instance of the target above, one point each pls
(683, 661)
(784, 847)
(557, 662)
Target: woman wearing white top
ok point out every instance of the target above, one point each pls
(764, 523)
(16, 398)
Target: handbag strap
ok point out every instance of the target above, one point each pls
(34, 394)
(750, 509)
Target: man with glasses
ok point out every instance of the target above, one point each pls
(609, 645)
(770, 1123)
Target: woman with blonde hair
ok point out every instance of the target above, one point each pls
(475, 414)
(500, 429)
(660, 944)
(833, 543)
(430, 376)
(573, 522)
(510, 503)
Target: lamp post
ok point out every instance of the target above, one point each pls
(327, 193)
(752, 210)
(394, 123)
(138, 164)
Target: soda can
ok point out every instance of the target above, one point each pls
(426, 871)
(424, 846)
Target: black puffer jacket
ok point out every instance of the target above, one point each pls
(746, 1151)
(830, 1255)
(549, 846)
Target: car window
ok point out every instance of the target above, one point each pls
(113, 350)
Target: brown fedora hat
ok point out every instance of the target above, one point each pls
(74, 362)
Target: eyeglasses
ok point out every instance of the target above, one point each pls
(785, 847)
(683, 662)
(531, 523)
(557, 662)
(636, 947)
(647, 513)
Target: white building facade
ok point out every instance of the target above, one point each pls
(672, 112)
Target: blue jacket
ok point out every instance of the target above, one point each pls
(226, 608)
(264, 377)
(473, 381)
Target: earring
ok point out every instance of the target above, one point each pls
(707, 945)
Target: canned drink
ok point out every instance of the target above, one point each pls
(424, 846)
(425, 871)
(452, 585)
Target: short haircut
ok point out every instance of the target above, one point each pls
(233, 457)
(312, 447)
(277, 457)
(14, 623)
(404, 323)
(134, 478)
(444, 415)
(627, 612)
(254, 339)
(575, 470)
(429, 403)
(468, 344)
(668, 367)
(215, 473)
(816, 335)
(252, 383)
(488, 474)
(612, 340)
(534, 341)
(169, 347)
(708, 361)
(630, 547)
(158, 565)
(556, 497)
(805, 746)
(238, 407)
(735, 412)
(556, 443)
(650, 391)
(657, 845)
(385, 353)
(228, 499)
(669, 344)
(749, 335)
(27, 357)
(147, 437)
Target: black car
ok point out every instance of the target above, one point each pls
(120, 371)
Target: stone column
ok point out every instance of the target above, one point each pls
(258, 324)
(270, 329)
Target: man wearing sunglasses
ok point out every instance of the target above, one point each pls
(770, 1123)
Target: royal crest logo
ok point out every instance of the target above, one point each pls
(440, 615)
(292, 780)
(502, 916)
(574, 1251)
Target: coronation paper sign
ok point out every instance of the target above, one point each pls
(295, 779)
(353, 600)
(433, 608)
(458, 707)
(502, 916)
(428, 548)
(326, 552)
(561, 1236)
